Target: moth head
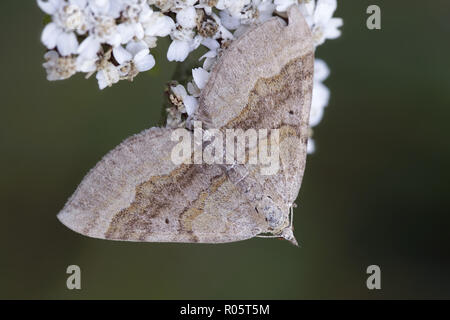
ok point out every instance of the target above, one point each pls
(277, 218)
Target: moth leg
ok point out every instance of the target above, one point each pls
(286, 234)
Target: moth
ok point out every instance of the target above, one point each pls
(262, 80)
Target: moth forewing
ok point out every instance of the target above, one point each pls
(264, 81)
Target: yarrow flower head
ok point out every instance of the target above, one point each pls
(113, 39)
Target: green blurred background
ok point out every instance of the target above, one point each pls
(375, 192)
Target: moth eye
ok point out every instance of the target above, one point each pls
(167, 221)
(291, 112)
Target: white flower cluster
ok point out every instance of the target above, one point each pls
(113, 38)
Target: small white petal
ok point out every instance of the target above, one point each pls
(122, 55)
(193, 90)
(101, 78)
(315, 116)
(178, 50)
(324, 10)
(67, 43)
(79, 3)
(50, 35)
(159, 25)
(49, 7)
(126, 32)
(195, 43)
(200, 76)
(144, 63)
(211, 44)
(283, 5)
(51, 56)
(99, 7)
(150, 41)
(89, 47)
(145, 14)
(223, 32)
(139, 32)
(321, 70)
(265, 10)
(86, 65)
(309, 7)
(191, 104)
(209, 63)
(108, 76)
(115, 8)
(331, 30)
(311, 146)
(179, 91)
(228, 21)
(186, 17)
(209, 54)
(142, 54)
(320, 98)
(220, 4)
(136, 47)
(189, 3)
(114, 40)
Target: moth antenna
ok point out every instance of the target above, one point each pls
(291, 209)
